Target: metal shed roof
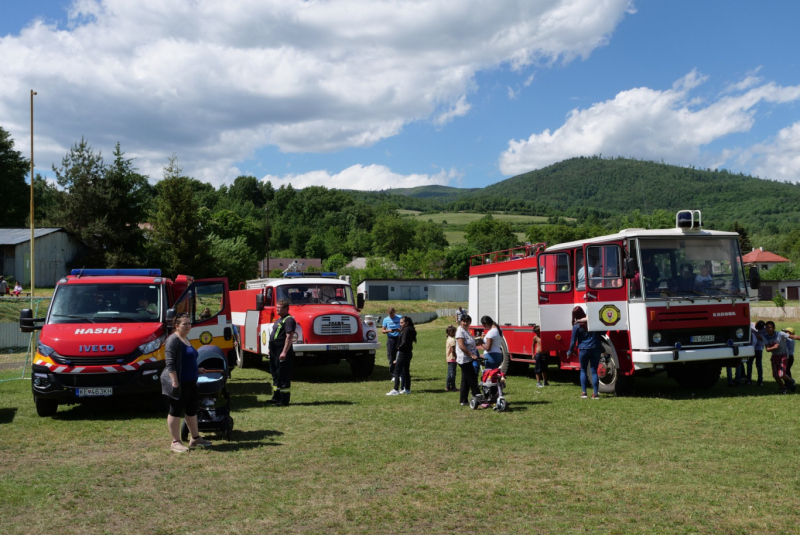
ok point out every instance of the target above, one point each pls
(14, 236)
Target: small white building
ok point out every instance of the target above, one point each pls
(437, 290)
(54, 249)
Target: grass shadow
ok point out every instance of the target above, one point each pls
(337, 373)
(7, 415)
(248, 440)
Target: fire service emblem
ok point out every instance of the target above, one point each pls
(609, 315)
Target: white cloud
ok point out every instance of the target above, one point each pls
(646, 123)
(363, 177)
(214, 81)
(778, 158)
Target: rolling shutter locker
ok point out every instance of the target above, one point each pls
(530, 298)
(508, 304)
(487, 300)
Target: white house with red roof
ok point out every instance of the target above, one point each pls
(763, 259)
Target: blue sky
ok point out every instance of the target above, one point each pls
(368, 94)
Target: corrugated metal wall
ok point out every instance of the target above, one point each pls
(52, 254)
(448, 293)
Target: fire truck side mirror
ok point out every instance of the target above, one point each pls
(170, 317)
(260, 302)
(755, 278)
(631, 267)
(360, 301)
(27, 323)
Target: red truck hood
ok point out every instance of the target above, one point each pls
(85, 339)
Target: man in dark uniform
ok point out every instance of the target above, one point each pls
(281, 354)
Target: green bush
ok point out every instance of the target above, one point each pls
(779, 301)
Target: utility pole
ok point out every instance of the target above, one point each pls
(33, 269)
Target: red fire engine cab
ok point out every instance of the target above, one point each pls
(670, 300)
(105, 329)
(329, 328)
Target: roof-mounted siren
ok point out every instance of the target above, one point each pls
(689, 220)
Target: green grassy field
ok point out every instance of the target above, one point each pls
(344, 458)
(462, 218)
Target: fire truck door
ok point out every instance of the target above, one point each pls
(555, 299)
(251, 320)
(605, 296)
(207, 303)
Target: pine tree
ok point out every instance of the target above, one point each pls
(177, 243)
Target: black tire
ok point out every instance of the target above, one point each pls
(250, 359)
(611, 381)
(708, 377)
(184, 431)
(362, 367)
(46, 407)
(473, 403)
(517, 368)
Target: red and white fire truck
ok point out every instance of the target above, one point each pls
(670, 300)
(105, 329)
(329, 327)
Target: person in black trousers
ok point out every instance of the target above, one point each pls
(408, 336)
(466, 354)
(281, 354)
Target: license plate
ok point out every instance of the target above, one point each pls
(704, 338)
(339, 347)
(93, 392)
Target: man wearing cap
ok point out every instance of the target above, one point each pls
(789, 350)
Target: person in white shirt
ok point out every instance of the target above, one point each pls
(466, 353)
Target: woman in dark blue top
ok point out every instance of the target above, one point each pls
(179, 384)
(589, 348)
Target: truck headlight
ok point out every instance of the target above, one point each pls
(371, 335)
(151, 347)
(657, 338)
(295, 337)
(740, 333)
(44, 349)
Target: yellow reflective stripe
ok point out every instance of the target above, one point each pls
(278, 329)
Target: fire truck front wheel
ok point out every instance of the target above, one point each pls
(249, 359)
(611, 380)
(361, 367)
(46, 407)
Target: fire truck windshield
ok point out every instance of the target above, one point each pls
(315, 294)
(691, 267)
(106, 303)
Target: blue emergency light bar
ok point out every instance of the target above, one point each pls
(291, 274)
(138, 272)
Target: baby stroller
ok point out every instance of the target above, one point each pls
(213, 411)
(491, 386)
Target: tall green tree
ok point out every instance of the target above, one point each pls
(103, 205)
(177, 242)
(489, 234)
(13, 168)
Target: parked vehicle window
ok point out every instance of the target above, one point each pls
(604, 268)
(106, 303)
(315, 294)
(554, 272)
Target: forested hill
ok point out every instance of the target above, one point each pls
(619, 186)
(608, 188)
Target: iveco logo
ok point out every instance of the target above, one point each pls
(96, 349)
(334, 323)
(722, 314)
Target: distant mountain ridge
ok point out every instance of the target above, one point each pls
(584, 186)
